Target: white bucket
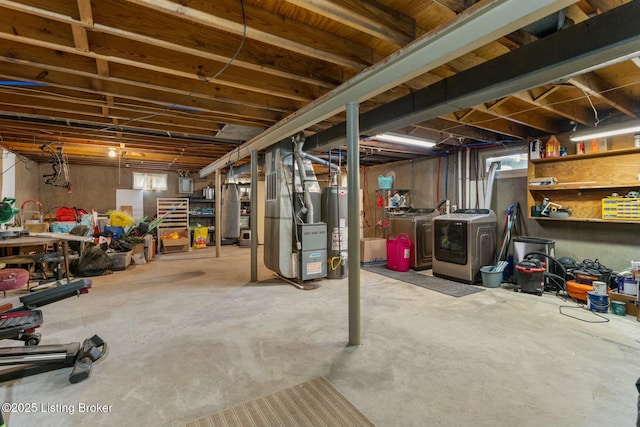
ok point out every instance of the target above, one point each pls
(599, 288)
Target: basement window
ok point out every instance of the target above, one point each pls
(150, 181)
(511, 161)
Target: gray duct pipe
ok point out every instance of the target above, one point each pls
(328, 164)
(321, 161)
(298, 154)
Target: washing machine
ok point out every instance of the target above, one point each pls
(417, 223)
(463, 242)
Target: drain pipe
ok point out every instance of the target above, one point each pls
(298, 142)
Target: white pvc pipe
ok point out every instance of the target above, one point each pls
(467, 179)
(459, 179)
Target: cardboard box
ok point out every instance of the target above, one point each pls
(373, 250)
(631, 300)
(138, 248)
(181, 244)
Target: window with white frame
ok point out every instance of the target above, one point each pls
(150, 181)
(511, 161)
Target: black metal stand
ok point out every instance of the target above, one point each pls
(20, 324)
(24, 361)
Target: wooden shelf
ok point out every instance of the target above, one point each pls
(599, 154)
(610, 221)
(582, 186)
(583, 180)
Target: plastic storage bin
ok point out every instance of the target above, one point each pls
(120, 260)
(385, 182)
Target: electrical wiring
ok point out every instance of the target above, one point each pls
(551, 104)
(595, 112)
(581, 307)
(561, 283)
(19, 158)
(205, 81)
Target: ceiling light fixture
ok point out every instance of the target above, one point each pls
(401, 139)
(112, 152)
(606, 130)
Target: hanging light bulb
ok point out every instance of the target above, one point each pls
(112, 152)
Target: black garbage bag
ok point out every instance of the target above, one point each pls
(120, 246)
(93, 262)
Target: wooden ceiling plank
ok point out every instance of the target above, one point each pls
(365, 16)
(86, 69)
(455, 130)
(529, 120)
(86, 14)
(83, 146)
(80, 39)
(132, 145)
(540, 97)
(123, 111)
(457, 6)
(102, 67)
(49, 133)
(99, 155)
(234, 77)
(491, 123)
(105, 121)
(150, 93)
(271, 29)
(602, 6)
(576, 14)
(558, 105)
(593, 86)
(307, 70)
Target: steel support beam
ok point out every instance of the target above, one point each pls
(602, 40)
(218, 212)
(482, 23)
(353, 221)
(253, 216)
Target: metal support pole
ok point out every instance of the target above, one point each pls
(353, 207)
(218, 228)
(253, 216)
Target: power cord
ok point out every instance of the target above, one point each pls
(580, 306)
(560, 281)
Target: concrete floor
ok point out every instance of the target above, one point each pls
(189, 335)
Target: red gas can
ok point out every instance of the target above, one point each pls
(399, 252)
